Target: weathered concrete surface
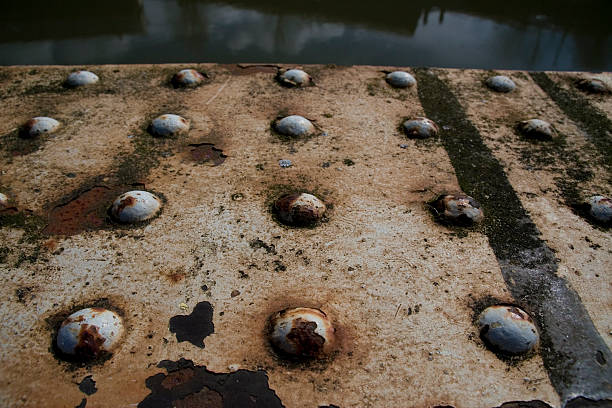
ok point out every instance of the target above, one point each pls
(402, 289)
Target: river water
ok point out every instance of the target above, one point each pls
(520, 34)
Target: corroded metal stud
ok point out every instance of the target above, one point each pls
(294, 77)
(508, 329)
(459, 209)
(294, 126)
(169, 125)
(420, 128)
(300, 209)
(90, 333)
(81, 78)
(302, 333)
(501, 83)
(38, 126)
(3, 200)
(187, 78)
(601, 208)
(593, 85)
(537, 129)
(400, 79)
(135, 206)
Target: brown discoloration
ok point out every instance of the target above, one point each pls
(206, 153)
(245, 69)
(50, 245)
(307, 343)
(206, 398)
(90, 343)
(85, 211)
(128, 201)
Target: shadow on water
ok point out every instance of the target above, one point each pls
(522, 34)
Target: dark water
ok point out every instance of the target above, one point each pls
(520, 34)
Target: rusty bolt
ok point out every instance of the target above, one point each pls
(3, 200)
(294, 126)
(187, 78)
(169, 125)
(537, 129)
(593, 85)
(601, 208)
(400, 79)
(301, 333)
(294, 77)
(459, 209)
(38, 126)
(420, 128)
(508, 329)
(135, 206)
(89, 333)
(300, 209)
(501, 83)
(81, 78)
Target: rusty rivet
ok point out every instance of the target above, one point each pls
(169, 125)
(400, 79)
(294, 77)
(508, 329)
(459, 209)
(187, 78)
(300, 209)
(301, 333)
(38, 126)
(593, 85)
(294, 126)
(601, 208)
(536, 129)
(81, 78)
(135, 206)
(89, 333)
(501, 83)
(3, 200)
(420, 128)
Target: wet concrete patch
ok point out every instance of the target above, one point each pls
(187, 385)
(206, 153)
(195, 327)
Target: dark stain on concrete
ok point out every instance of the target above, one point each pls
(195, 327)
(528, 266)
(206, 153)
(187, 385)
(88, 386)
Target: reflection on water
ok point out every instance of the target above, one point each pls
(536, 34)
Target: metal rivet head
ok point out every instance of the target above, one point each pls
(601, 208)
(400, 79)
(593, 85)
(300, 209)
(3, 200)
(294, 77)
(169, 125)
(501, 83)
(537, 129)
(420, 128)
(89, 333)
(458, 209)
(81, 78)
(294, 126)
(508, 329)
(38, 126)
(188, 78)
(135, 206)
(302, 333)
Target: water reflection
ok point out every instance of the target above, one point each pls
(522, 34)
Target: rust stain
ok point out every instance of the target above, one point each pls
(87, 211)
(177, 378)
(126, 202)
(50, 245)
(206, 152)
(90, 342)
(306, 341)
